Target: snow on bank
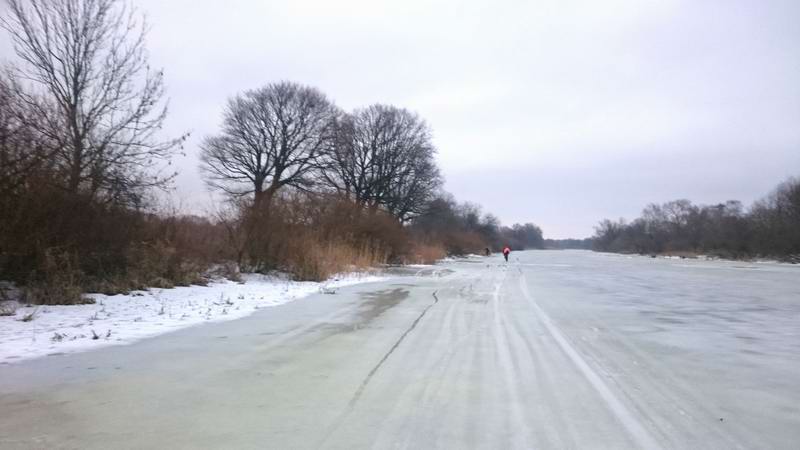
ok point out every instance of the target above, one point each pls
(459, 258)
(122, 319)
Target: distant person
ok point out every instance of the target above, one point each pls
(506, 252)
(487, 251)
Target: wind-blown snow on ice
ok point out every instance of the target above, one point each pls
(123, 319)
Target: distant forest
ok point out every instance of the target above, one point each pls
(769, 228)
(566, 244)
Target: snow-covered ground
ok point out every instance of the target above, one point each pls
(122, 319)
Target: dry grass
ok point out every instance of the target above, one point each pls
(8, 309)
(228, 270)
(313, 260)
(59, 282)
(464, 242)
(423, 253)
(63, 246)
(57, 245)
(155, 265)
(313, 238)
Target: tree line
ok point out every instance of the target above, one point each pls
(307, 187)
(286, 135)
(769, 228)
(287, 142)
(568, 244)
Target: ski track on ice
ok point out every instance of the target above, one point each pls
(637, 431)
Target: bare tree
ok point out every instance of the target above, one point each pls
(414, 186)
(383, 156)
(776, 220)
(271, 137)
(522, 236)
(93, 92)
(22, 150)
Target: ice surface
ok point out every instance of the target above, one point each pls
(554, 349)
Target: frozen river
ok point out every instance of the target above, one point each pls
(552, 350)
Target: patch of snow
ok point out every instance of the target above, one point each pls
(123, 319)
(459, 258)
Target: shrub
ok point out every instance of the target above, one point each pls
(8, 309)
(313, 260)
(313, 237)
(58, 281)
(425, 253)
(99, 247)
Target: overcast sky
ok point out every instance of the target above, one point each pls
(556, 112)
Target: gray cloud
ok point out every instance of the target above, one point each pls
(556, 112)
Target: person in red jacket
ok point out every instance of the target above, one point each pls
(506, 252)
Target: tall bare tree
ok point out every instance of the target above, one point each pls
(271, 137)
(776, 220)
(383, 156)
(413, 186)
(22, 150)
(94, 94)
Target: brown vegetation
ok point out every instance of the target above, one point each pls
(310, 190)
(314, 236)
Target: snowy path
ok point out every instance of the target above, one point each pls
(123, 319)
(554, 350)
